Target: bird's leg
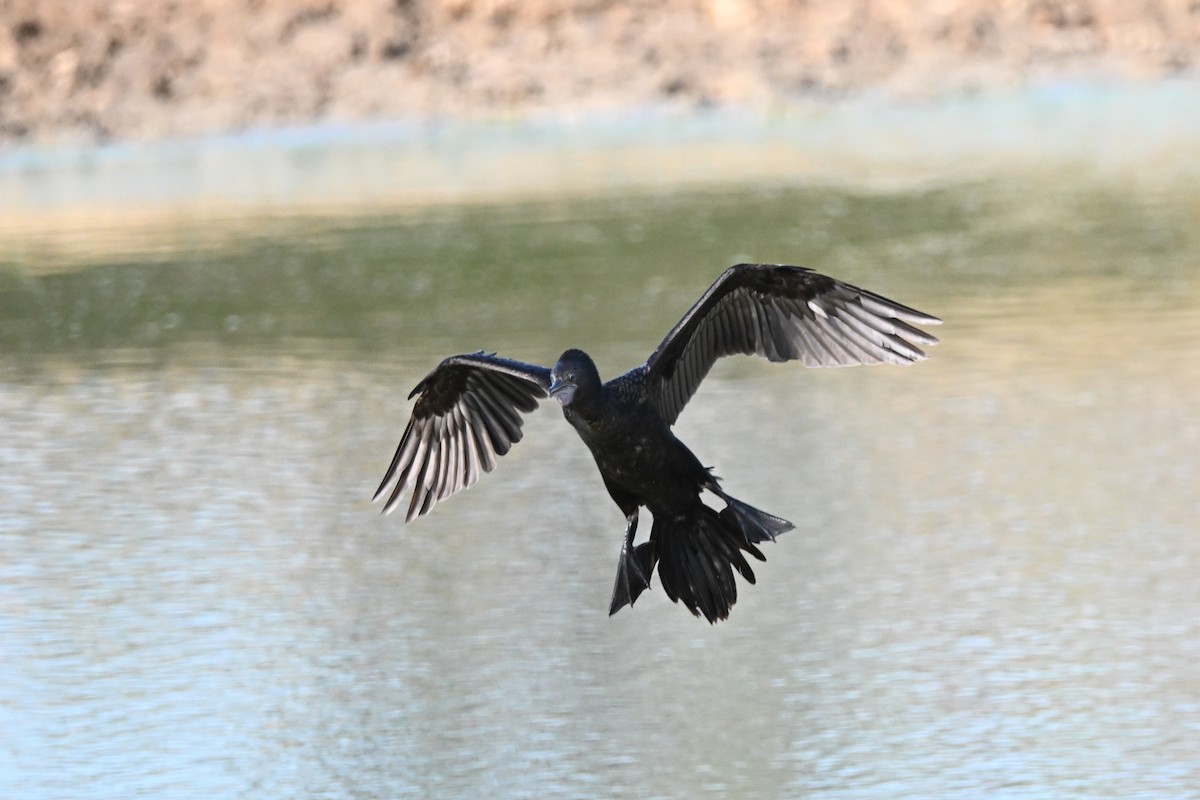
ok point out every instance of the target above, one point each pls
(631, 523)
(633, 567)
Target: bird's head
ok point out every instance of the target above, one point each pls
(575, 372)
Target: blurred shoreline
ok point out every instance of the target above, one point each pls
(125, 116)
(1133, 131)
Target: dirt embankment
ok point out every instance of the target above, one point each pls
(97, 70)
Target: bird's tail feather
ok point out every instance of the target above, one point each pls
(698, 554)
(755, 525)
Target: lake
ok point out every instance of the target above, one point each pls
(991, 590)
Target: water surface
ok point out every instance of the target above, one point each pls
(990, 592)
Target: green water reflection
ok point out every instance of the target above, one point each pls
(595, 270)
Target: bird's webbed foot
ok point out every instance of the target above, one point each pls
(634, 568)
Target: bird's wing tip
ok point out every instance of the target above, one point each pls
(929, 339)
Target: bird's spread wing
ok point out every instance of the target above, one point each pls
(466, 415)
(782, 313)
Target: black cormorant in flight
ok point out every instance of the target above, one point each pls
(469, 411)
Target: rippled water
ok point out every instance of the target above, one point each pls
(991, 591)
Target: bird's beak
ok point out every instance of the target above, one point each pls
(563, 392)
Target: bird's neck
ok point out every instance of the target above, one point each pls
(588, 410)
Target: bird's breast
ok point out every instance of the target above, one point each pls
(658, 471)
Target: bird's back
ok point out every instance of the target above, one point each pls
(629, 390)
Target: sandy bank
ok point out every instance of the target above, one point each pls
(77, 71)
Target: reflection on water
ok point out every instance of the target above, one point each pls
(991, 591)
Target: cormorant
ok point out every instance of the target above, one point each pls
(468, 412)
